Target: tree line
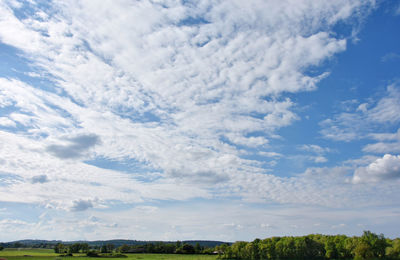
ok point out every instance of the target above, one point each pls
(157, 248)
(314, 247)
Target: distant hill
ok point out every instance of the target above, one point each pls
(98, 243)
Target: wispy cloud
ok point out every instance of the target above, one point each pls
(173, 90)
(390, 56)
(397, 12)
(364, 119)
(195, 93)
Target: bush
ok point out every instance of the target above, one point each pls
(92, 254)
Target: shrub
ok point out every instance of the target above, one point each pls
(92, 254)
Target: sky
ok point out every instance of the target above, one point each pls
(208, 119)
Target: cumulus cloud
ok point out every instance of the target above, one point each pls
(81, 205)
(385, 168)
(39, 179)
(75, 146)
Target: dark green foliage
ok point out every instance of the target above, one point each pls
(74, 248)
(1, 247)
(123, 249)
(318, 247)
(166, 248)
(103, 249)
(92, 253)
(198, 248)
(60, 248)
(188, 249)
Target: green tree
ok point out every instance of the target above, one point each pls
(188, 249)
(123, 249)
(74, 248)
(330, 248)
(363, 250)
(85, 247)
(103, 249)
(197, 248)
(393, 251)
(267, 248)
(370, 245)
(60, 248)
(110, 248)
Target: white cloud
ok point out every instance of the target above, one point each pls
(387, 107)
(170, 90)
(316, 153)
(361, 122)
(320, 159)
(381, 147)
(135, 83)
(226, 221)
(81, 205)
(388, 143)
(315, 148)
(270, 154)
(392, 56)
(385, 168)
(397, 12)
(5, 121)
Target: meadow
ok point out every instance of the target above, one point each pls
(48, 254)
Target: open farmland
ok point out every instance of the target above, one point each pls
(48, 254)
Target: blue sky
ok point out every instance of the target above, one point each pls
(223, 120)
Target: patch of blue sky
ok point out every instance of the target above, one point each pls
(193, 21)
(7, 179)
(356, 74)
(358, 71)
(31, 8)
(6, 110)
(15, 65)
(138, 117)
(304, 132)
(24, 128)
(22, 211)
(17, 128)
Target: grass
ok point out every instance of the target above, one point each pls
(48, 254)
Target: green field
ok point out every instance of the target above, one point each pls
(48, 254)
